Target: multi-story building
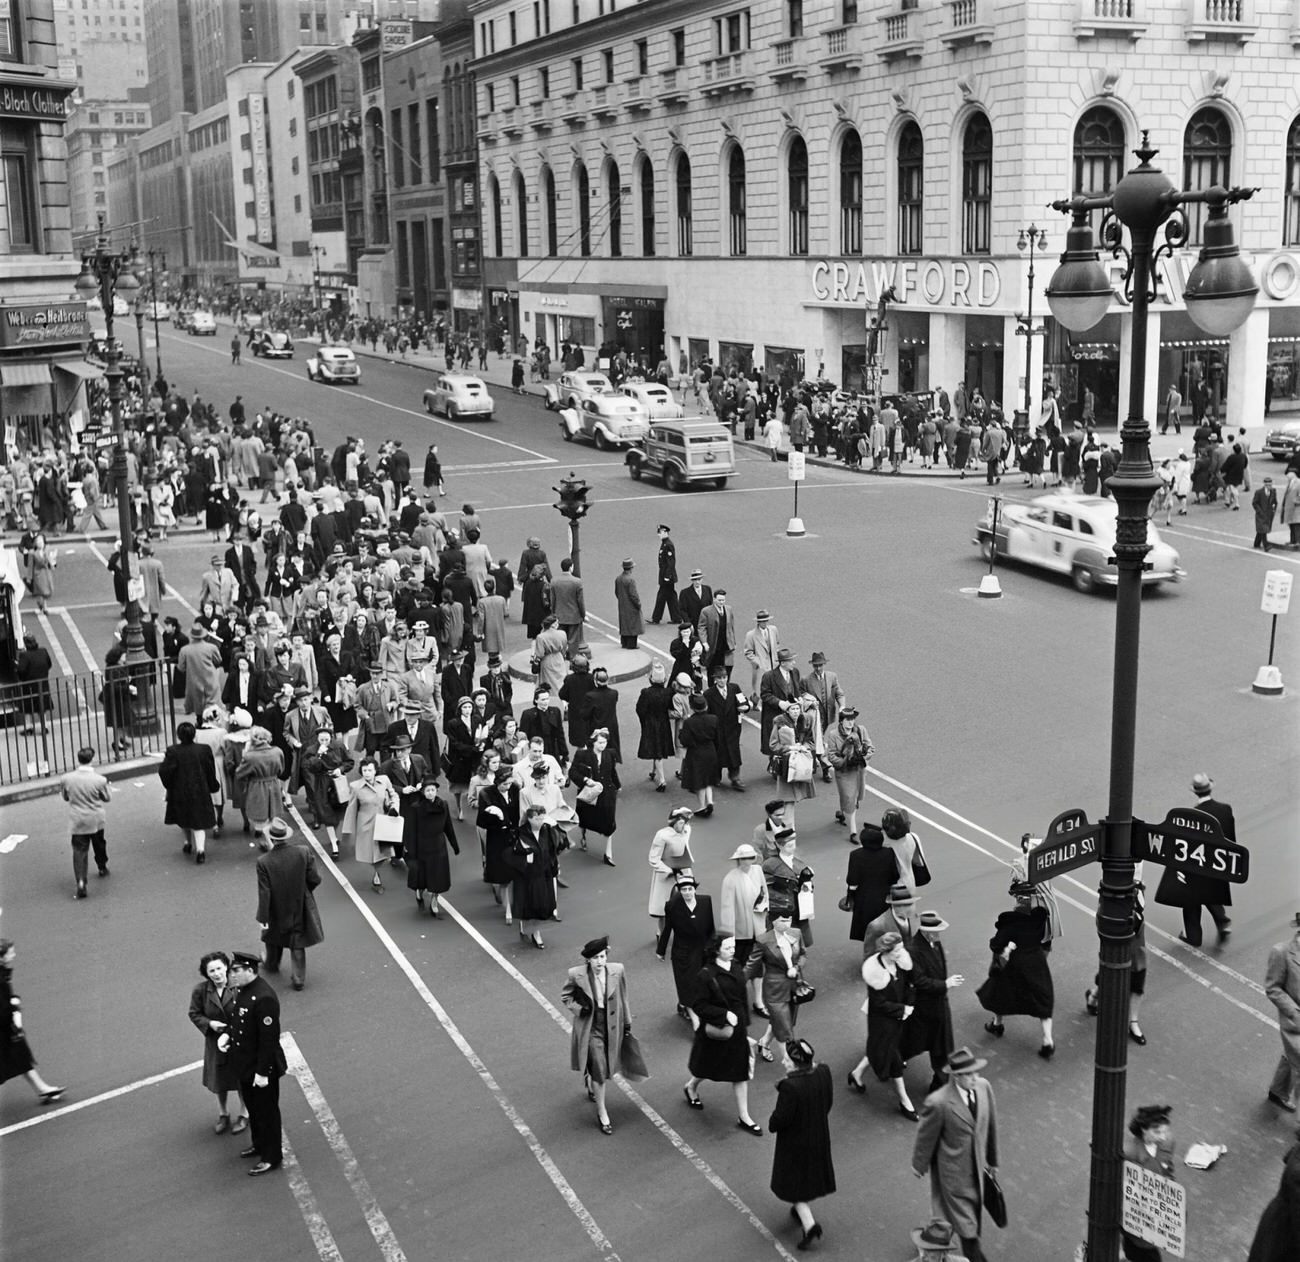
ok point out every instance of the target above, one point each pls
(376, 283)
(169, 43)
(96, 130)
(650, 170)
(460, 171)
(42, 323)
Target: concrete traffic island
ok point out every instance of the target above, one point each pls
(621, 663)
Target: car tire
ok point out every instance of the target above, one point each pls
(602, 443)
(1083, 579)
(453, 412)
(672, 478)
(719, 484)
(428, 407)
(564, 433)
(986, 551)
(635, 470)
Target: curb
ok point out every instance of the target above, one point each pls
(13, 794)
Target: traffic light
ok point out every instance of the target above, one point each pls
(573, 497)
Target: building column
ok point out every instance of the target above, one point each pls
(1151, 395)
(1247, 368)
(947, 351)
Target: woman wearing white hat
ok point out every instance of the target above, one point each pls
(670, 857)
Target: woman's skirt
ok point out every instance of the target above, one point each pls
(598, 1046)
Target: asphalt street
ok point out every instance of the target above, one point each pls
(432, 1112)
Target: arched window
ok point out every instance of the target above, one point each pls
(582, 192)
(797, 194)
(977, 186)
(684, 242)
(1291, 205)
(1098, 150)
(1207, 159)
(851, 193)
(552, 213)
(520, 194)
(494, 197)
(911, 196)
(736, 201)
(615, 195)
(647, 176)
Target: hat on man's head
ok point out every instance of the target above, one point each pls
(401, 742)
(938, 1231)
(696, 575)
(249, 958)
(964, 1061)
(817, 659)
(628, 563)
(900, 896)
(375, 668)
(411, 706)
(595, 947)
(279, 830)
(665, 529)
(1202, 784)
(698, 703)
(301, 691)
(197, 632)
(762, 616)
(494, 659)
(782, 835)
(932, 921)
(785, 655)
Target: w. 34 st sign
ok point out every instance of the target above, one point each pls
(1192, 842)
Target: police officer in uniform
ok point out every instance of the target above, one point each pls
(666, 596)
(253, 1042)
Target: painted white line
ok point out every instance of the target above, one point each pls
(50, 1115)
(543, 1158)
(329, 1124)
(655, 1119)
(326, 1247)
(53, 641)
(82, 647)
(172, 593)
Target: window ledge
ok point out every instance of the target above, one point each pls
(1229, 32)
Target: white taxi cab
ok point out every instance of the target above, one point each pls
(457, 395)
(334, 364)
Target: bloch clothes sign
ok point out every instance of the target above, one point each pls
(30, 101)
(1155, 1209)
(40, 324)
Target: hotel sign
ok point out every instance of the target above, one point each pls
(944, 283)
(265, 230)
(42, 324)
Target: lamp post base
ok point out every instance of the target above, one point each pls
(990, 588)
(794, 528)
(1268, 683)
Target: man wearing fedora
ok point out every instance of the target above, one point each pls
(258, 1061)
(419, 732)
(628, 599)
(929, 1028)
(727, 704)
(900, 916)
(825, 686)
(286, 906)
(957, 1144)
(762, 642)
(1192, 892)
(1282, 986)
(693, 599)
(717, 631)
(777, 687)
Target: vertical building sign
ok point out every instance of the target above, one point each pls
(261, 168)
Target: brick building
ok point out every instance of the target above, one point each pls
(650, 170)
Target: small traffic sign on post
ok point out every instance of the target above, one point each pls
(1070, 842)
(796, 472)
(1276, 601)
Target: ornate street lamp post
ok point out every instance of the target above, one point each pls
(1219, 294)
(1031, 239)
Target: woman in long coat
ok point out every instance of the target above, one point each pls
(372, 795)
(498, 818)
(1277, 1238)
(777, 956)
(596, 762)
(189, 774)
(872, 873)
(1020, 981)
(670, 856)
(848, 750)
(536, 598)
(781, 740)
(888, 977)
(40, 572)
(260, 771)
(550, 645)
(534, 858)
(463, 750)
(688, 923)
(212, 1009)
(785, 874)
(654, 710)
(602, 1019)
(16, 1057)
(429, 831)
(116, 698)
(700, 767)
(338, 685)
(802, 1169)
(319, 767)
(721, 1000)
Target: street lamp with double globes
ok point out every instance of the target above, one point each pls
(1219, 294)
(1032, 239)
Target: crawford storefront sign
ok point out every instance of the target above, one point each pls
(35, 324)
(1277, 274)
(927, 282)
(26, 100)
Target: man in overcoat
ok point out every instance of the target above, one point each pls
(569, 605)
(929, 1028)
(726, 702)
(286, 906)
(420, 735)
(1282, 986)
(957, 1142)
(762, 642)
(717, 629)
(695, 598)
(900, 916)
(1192, 892)
(777, 687)
(825, 686)
(666, 596)
(189, 774)
(86, 792)
(630, 624)
(253, 1044)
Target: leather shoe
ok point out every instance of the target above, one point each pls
(911, 1114)
(752, 1127)
(855, 1085)
(1135, 1033)
(1273, 1098)
(760, 1011)
(738, 786)
(81, 889)
(263, 1167)
(240, 1126)
(222, 1124)
(608, 862)
(247, 1153)
(297, 985)
(562, 883)
(104, 870)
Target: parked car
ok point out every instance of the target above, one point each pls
(608, 420)
(334, 364)
(457, 394)
(272, 343)
(1071, 534)
(1283, 440)
(683, 452)
(202, 324)
(159, 310)
(657, 400)
(572, 387)
(180, 320)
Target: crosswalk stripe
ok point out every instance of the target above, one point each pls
(77, 638)
(53, 641)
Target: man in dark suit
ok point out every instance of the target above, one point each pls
(406, 772)
(929, 1028)
(544, 720)
(666, 595)
(600, 709)
(899, 917)
(253, 1045)
(456, 681)
(324, 531)
(241, 561)
(286, 907)
(717, 628)
(775, 688)
(498, 686)
(1192, 892)
(399, 467)
(693, 600)
(726, 702)
(422, 734)
(569, 605)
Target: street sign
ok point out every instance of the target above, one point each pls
(1191, 841)
(1155, 1209)
(1277, 592)
(1069, 843)
(796, 468)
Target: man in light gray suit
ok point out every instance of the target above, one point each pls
(86, 793)
(570, 607)
(761, 644)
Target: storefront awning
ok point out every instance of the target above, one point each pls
(25, 375)
(80, 368)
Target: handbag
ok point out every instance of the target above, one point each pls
(920, 869)
(590, 792)
(803, 992)
(718, 1033)
(799, 767)
(388, 830)
(631, 1061)
(341, 786)
(846, 903)
(804, 904)
(995, 1204)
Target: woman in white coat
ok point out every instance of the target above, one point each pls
(670, 856)
(742, 909)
